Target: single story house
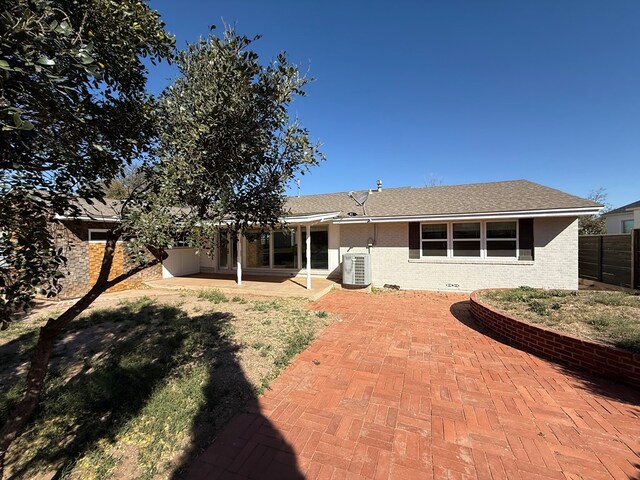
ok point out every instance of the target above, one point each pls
(456, 238)
(623, 219)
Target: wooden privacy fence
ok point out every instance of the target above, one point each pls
(613, 259)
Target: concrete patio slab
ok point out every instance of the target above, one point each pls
(253, 285)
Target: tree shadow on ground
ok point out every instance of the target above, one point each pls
(224, 434)
(109, 369)
(598, 385)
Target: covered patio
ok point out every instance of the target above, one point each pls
(253, 285)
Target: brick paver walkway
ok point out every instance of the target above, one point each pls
(405, 387)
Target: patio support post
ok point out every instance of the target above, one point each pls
(239, 259)
(308, 242)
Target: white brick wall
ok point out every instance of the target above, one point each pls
(555, 264)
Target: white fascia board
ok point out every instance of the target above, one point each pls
(87, 218)
(319, 217)
(568, 212)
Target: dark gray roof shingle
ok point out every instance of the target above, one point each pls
(509, 196)
(624, 208)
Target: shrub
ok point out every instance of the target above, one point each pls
(215, 296)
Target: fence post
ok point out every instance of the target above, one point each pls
(635, 258)
(600, 258)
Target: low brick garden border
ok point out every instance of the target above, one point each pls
(593, 357)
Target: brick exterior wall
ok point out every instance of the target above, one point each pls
(84, 260)
(555, 264)
(593, 357)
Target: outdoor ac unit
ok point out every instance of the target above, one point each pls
(356, 269)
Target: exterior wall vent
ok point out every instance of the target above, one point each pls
(356, 269)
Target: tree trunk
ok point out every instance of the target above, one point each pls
(49, 333)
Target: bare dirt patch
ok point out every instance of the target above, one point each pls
(138, 387)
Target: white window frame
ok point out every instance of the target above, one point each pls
(483, 240)
(434, 240)
(452, 240)
(487, 239)
(625, 221)
(97, 230)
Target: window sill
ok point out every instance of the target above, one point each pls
(472, 261)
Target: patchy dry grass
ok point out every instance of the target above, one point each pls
(607, 317)
(136, 389)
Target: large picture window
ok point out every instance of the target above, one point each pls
(258, 250)
(470, 239)
(285, 249)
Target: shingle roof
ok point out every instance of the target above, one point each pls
(509, 196)
(624, 208)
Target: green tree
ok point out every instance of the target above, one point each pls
(73, 112)
(595, 224)
(227, 150)
(228, 143)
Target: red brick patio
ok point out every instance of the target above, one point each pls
(405, 387)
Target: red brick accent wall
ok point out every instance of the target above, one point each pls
(593, 357)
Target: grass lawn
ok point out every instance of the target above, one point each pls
(137, 389)
(607, 317)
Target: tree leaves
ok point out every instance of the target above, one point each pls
(73, 111)
(228, 145)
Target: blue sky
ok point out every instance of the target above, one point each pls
(456, 91)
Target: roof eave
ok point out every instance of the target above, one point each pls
(568, 212)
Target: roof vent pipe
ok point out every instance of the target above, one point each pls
(379, 185)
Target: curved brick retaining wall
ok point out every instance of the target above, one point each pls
(596, 358)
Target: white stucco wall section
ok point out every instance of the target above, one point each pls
(613, 223)
(181, 261)
(555, 264)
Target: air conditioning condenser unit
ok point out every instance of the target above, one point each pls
(356, 269)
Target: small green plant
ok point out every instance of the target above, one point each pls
(260, 306)
(237, 299)
(214, 296)
(137, 304)
(266, 321)
(295, 345)
(538, 307)
(556, 306)
(321, 314)
(599, 324)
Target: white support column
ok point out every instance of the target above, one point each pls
(308, 242)
(239, 259)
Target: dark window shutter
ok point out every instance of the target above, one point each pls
(525, 238)
(414, 239)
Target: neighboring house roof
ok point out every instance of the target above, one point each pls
(455, 200)
(624, 209)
